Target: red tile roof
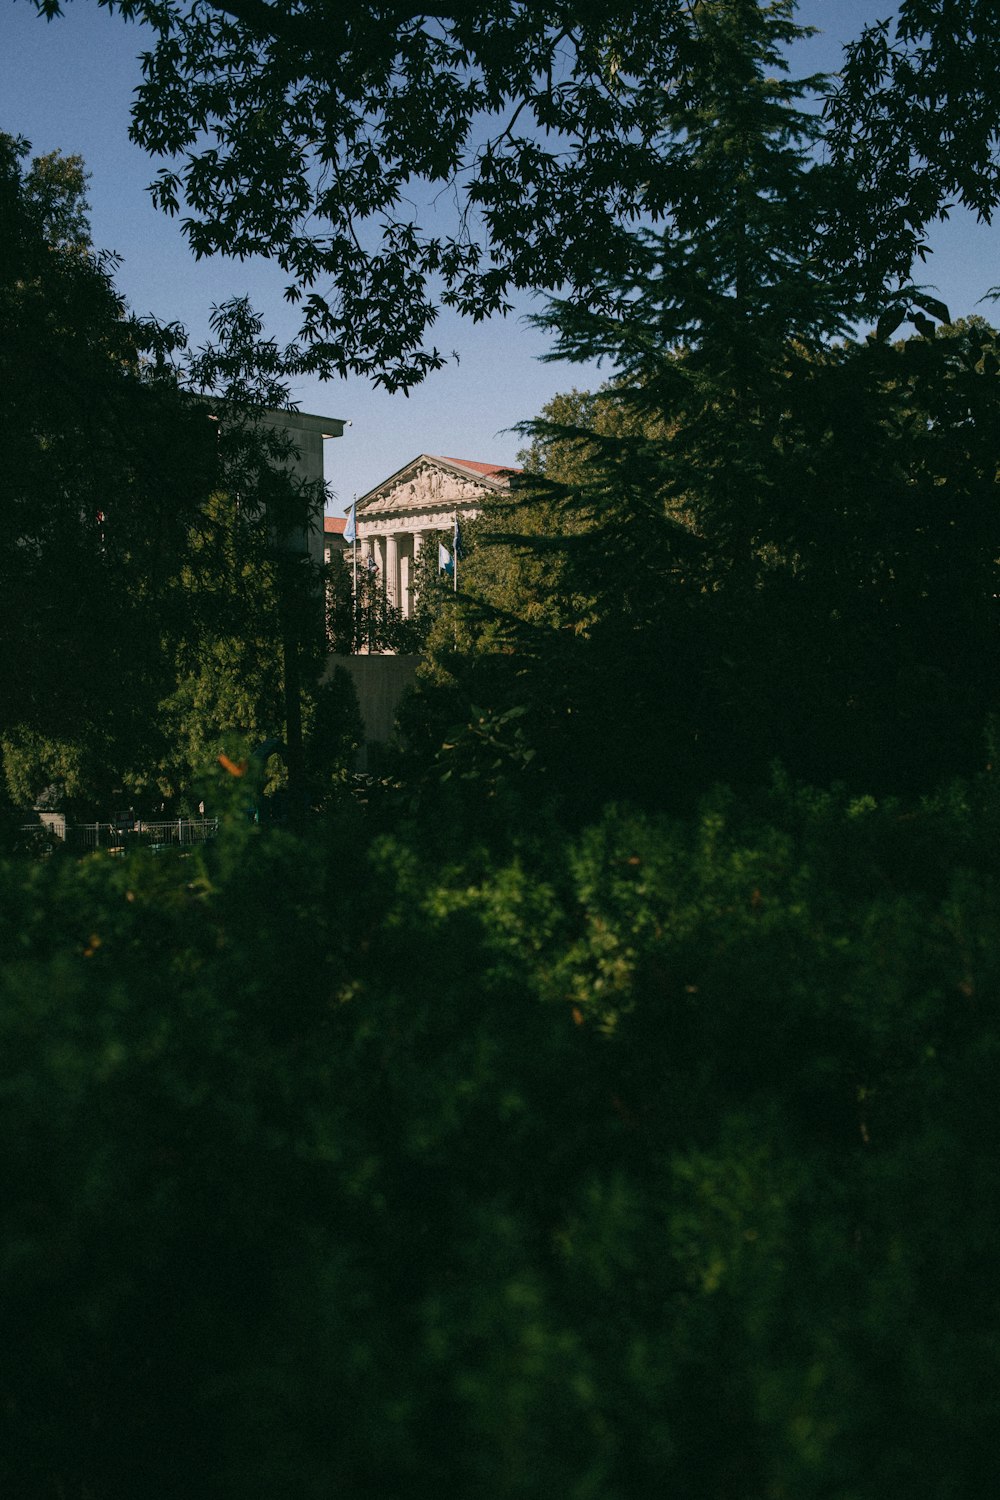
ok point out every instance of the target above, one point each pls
(478, 468)
(334, 524)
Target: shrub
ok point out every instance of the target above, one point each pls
(660, 1157)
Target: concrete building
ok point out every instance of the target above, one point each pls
(307, 432)
(396, 518)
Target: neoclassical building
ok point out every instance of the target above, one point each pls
(396, 518)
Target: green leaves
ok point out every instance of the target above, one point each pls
(901, 308)
(915, 127)
(507, 1169)
(308, 137)
(139, 602)
(105, 467)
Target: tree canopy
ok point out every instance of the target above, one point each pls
(146, 588)
(105, 465)
(306, 133)
(916, 122)
(395, 158)
(765, 539)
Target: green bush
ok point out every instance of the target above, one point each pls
(658, 1159)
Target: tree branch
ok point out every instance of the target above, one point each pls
(326, 34)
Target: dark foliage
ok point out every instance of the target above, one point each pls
(662, 1157)
(500, 1139)
(104, 468)
(535, 121)
(916, 119)
(759, 543)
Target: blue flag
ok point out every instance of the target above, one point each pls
(351, 529)
(456, 542)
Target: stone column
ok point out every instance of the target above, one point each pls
(405, 582)
(419, 538)
(392, 569)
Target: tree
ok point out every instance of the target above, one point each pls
(868, 649)
(778, 536)
(154, 588)
(329, 138)
(305, 133)
(252, 649)
(703, 323)
(308, 134)
(672, 487)
(105, 465)
(916, 125)
(841, 491)
(360, 615)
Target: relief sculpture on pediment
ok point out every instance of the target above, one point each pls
(422, 497)
(425, 489)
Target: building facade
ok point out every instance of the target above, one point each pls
(397, 518)
(307, 434)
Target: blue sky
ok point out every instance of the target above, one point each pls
(67, 85)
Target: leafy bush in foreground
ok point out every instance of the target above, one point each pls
(659, 1160)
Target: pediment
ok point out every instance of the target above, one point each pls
(430, 485)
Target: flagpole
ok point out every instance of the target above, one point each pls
(354, 519)
(454, 548)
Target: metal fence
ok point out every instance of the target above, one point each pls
(176, 831)
(137, 833)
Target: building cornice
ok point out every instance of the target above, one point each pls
(466, 488)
